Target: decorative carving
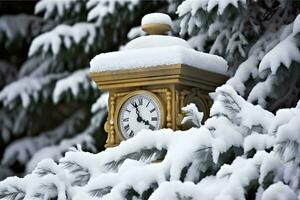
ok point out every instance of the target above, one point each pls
(111, 141)
(169, 118)
(169, 104)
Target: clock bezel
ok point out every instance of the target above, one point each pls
(124, 99)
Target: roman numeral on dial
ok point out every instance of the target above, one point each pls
(140, 102)
(152, 127)
(126, 128)
(131, 134)
(152, 110)
(153, 118)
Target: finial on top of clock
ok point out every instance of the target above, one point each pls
(156, 23)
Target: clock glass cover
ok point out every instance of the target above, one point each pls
(140, 111)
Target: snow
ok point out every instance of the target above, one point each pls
(99, 9)
(131, 165)
(55, 152)
(74, 83)
(49, 6)
(187, 190)
(207, 5)
(258, 142)
(102, 102)
(143, 58)
(156, 18)
(247, 113)
(192, 114)
(135, 32)
(279, 191)
(151, 41)
(296, 25)
(284, 53)
(26, 89)
(14, 26)
(64, 35)
(245, 70)
(261, 90)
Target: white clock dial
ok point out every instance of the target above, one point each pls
(139, 112)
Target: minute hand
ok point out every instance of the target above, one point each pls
(139, 119)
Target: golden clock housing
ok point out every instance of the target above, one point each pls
(171, 73)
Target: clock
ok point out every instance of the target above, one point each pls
(137, 111)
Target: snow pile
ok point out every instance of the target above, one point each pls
(130, 168)
(156, 18)
(151, 41)
(141, 58)
(279, 191)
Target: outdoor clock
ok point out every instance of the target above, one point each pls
(152, 78)
(138, 110)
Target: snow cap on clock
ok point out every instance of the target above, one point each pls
(157, 18)
(156, 50)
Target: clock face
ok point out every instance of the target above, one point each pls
(140, 111)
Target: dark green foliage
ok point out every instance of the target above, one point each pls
(228, 156)
(131, 193)
(184, 172)
(268, 180)
(251, 189)
(146, 194)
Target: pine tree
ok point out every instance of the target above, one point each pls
(48, 101)
(242, 151)
(257, 39)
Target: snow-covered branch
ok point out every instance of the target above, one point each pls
(63, 36)
(78, 85)
(28, 90)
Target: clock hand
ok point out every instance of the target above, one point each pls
(139, 119)
(146, 122)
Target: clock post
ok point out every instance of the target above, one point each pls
(152, 78)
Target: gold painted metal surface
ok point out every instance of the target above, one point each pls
(163, 74)
(156, 29)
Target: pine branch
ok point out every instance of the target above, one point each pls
(14, 194)
(81, 174)
(43, 171)
(143, 154)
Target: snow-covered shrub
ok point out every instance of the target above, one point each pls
(209, 161)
